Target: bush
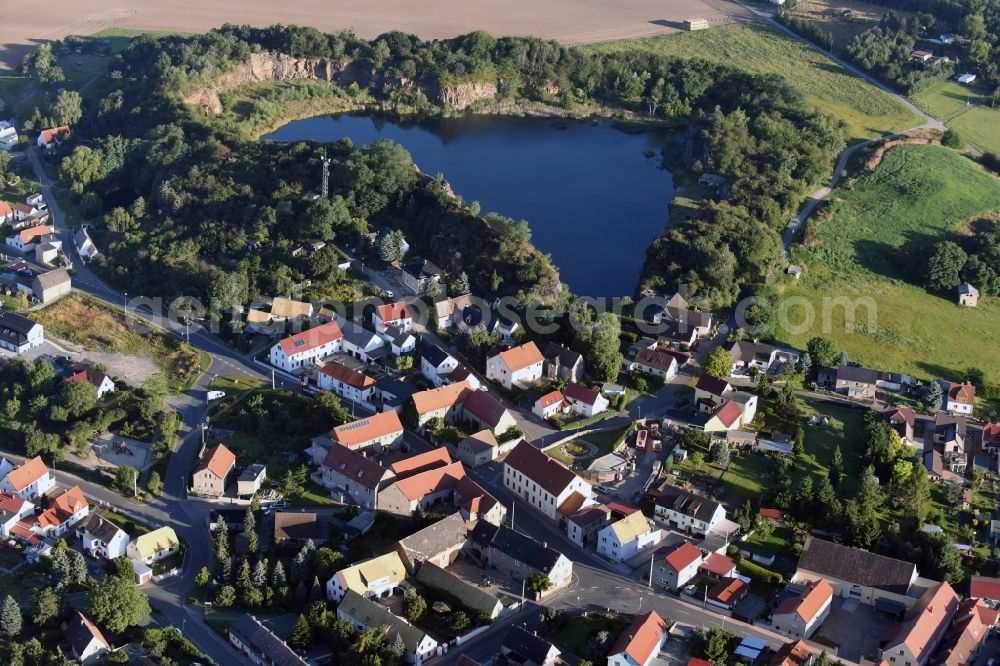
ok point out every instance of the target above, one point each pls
(951, 139)
(758, 573)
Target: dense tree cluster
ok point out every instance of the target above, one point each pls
(950, 264)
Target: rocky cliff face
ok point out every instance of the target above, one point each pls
(261, 67)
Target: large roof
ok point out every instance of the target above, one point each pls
(80, 632)
(682, 555)
(430, 481)
(421, 462)
(155, 541)
(808, 603)
(712, 384)
(471, 595)
(484, 440)
(515, 545)
(354, 466)
(53, 278)
(984, 586)
(435, 538)
(349, 376)
(964, 393)
(547, 472)
(630, 527)
(295, 525)
(219, 461)
(359, 576)
(26, 474)
(485, 407)
(793, 653)
(101, 528)
(289, 309)
(687, 503)
(518, 358)
(858, 566)
(393, 311)
(309, 340)
(63, 507)
(528, 645)
(367, 429)
(473, 498)
(935, 608)
(642, 639)
(251, 631)
(581, 393)
(439, 398)
(657, 358)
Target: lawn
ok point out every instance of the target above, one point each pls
(865, 254)
(573, 636)
(94, 326)
(761, 49)
(746, 477)
(133, 527)
(604, 440)
(966, 109)
(236, 385)
(26, 185)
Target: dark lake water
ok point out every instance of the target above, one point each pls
(592, 199)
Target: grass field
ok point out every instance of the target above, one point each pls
(761, 49)
(965, 109)
(829, 15)
(574, 635)
(918, 195)
(83, 321)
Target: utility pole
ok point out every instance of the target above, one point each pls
(513, 505)
(326, 175)
(135, 483)
(652, 558)
(272, 379)
(522, 592)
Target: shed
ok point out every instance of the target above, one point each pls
(967, 78)
(795, 271)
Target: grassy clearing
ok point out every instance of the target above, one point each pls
(26, 184)
(92, 325)
(761, 49)
(118, 38)
(917, 196)
(965, 109)
(574, 634)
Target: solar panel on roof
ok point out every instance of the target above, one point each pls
(299, 343)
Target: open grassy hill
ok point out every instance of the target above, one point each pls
(762, 49)
(869, 249)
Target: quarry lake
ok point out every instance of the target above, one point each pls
(591, 193)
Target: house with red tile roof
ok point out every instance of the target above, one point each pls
(544, 482)
(583, 526)
(656, 361)
(29, 481)
(444, 402)
(49, 139)
(459, 403)
(13, 509)
(718, 566)
(518, 366)
(345, 382)
(299, 352)
(960, 398)
(421, 462)
(991, 437)
(476, 503)
(708, 392)
(484, 412)
(584, 400)
(641, 642)
(677, 565)
(26, 238)
(550, 404)
(426, 489)
(967, 635)
(65, 511)
(985, 587)
(99, 380)
(379, 431)
(727, 592)
(396, 314)
(795, 653)
(210, 475)
(923, 628)
(727, 417)
(354, 476)
(901, 419)
(799, 616)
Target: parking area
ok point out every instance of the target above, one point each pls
(855, 629)
(130, 368)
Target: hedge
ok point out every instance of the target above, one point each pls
(758, 573)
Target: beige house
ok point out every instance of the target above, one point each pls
(152, 546)
(924, 626)
(51, 285)
(518, 366)
(210, 475)
(857, 574)
(801, 615)
(968, 295)
(373, 578)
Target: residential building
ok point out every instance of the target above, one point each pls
(477, 449)
(346, 382)
(677, 311)
(484, 412)
(400, 342)
(153, 546)
(971, 625)
(296, 526)
(359, 342)
(584, 401)
(718, 566)
(213, 470)
(801, 615)
(583, 526)
(475, 503)
(793, 653)
(450, 312)
(29, 481)
(418, 275)
(8, 136)
(518, 555)
(299, 351)
(12, 510)
(688, 512)
(562, 363)
(436, 364)
(968, 295)
(746, 354)
(358, 477)
(375, 578)
(472, 596)
(986, 588)
(727, 592)
(901, 418)
(678, 565)
(543, 482)
(27, 238)
(287, 309)
(444, 402)
(960, 398)
(656, 361)
(84, 245)
(379, 432)
(641, 642)
(709, 392)
(261, 645)
(550, 404)
(51, 285)
(439, 543)
(18, 333)
(421, 462)
(65, 511)
(518, 366)
(727, 417)
(102, 538)
(857, 574)
(100, 381)
(250, 480)
(424, 490)
(396, 314)
(624, 538)
(849, 380)
(924, 626)
(49, 139)
(525, 648)
(87, 644)
(363, 613)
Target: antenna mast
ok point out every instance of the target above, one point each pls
(326, 175)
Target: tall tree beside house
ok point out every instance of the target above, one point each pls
(77, 567)
(804, 364)
(10, 617)
(250, 532)
(461, 286)
(278, 576)
(414, 605)
(719, 363)
(48, 606)
(836, 472)
(599, 340)
(223, 558)
(945, 265)
(821, 351)
(390, 246)
(202, 577)
(301, 636)
(916, 492)
(540, 582)
(932, 396)
(117, 603)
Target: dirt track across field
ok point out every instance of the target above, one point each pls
(570, 21)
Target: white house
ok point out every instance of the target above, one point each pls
(801, 615)
(102, 538)
(746, 354)
(49, 139)
(64, 512)
(25, 239)
(678, 566)
(13, 509)
(152, 546)
(436, 363)
(303, 349)
(687, 512)
(400, 342)
(544, 483)
(29, 481)
(87, 643)
(393, 314)
(624, 538)
(84, 245)
(550, 404)
(8, 135)
(363, 613)
(99, 380)
(518, 366)
(18, 333)
(359, 342)
(345, 382)
(641, 642)
(374, 578)
(583, 400)
(960, 398)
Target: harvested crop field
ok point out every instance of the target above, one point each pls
(843, 18)
(569, 21)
